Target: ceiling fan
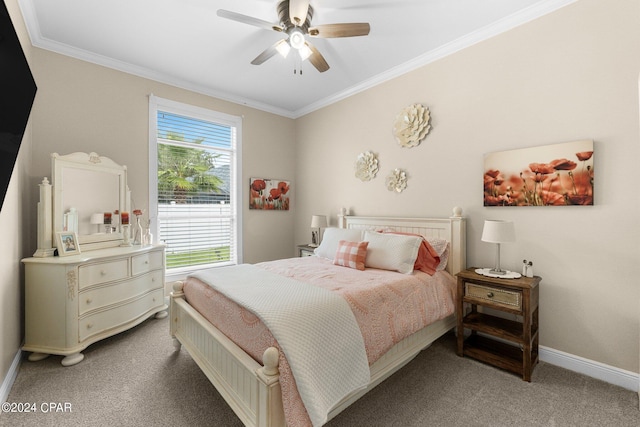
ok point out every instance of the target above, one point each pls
(295, 21)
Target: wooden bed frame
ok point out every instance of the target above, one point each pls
(253, 390)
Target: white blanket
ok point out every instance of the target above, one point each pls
(314, 327)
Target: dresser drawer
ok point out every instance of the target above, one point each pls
(147, 262)
(494, 296)
(94, 274)
(121, 315)
(96, 298)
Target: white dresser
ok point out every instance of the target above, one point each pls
(74, 301)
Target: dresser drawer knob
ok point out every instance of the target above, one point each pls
(89, 300)
(103, 273)
(490, 295)
(146, 262)
(89, 325)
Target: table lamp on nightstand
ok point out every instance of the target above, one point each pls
(317, 222)
(496, 231)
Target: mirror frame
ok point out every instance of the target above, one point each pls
(88, 162)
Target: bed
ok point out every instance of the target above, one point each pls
(253, 390)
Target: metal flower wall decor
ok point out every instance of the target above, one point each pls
(397, 180)
(366, 166)
(412, 125)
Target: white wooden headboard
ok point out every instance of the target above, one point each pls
(451, 229)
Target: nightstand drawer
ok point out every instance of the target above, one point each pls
(494, 296)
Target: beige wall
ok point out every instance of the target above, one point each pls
(567, 76)
(84, 107)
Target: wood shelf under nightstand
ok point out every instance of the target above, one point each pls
(508, 344)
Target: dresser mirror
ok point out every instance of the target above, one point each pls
(88, 184)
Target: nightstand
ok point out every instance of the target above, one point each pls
(306, 250)
(508, 344)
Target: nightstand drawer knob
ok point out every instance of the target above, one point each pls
(490, 295)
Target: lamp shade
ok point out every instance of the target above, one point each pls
(97, 218)
(496, 231)
(318, 221)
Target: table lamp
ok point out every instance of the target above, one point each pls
(317, 222)
(496, 231)
(97, 219)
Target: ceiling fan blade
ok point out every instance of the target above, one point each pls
(316, 59)
(248, 20)
(268, 53)
(340, 30)
(298, 10)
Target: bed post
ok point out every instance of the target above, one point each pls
(269, 393)
(458, 242)
(173, 323)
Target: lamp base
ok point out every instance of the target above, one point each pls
(506, 274)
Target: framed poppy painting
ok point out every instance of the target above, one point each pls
(551, 175)
(268, 194)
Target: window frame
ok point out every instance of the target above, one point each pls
(175, 107)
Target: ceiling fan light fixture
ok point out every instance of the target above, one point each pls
(283, 49)
(305, 52)
(296, 38)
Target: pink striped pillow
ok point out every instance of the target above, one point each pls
(351, 254)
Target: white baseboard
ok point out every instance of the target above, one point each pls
(7, 383)
(620, 377)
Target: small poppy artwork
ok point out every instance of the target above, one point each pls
(268, 194)
(551, 175)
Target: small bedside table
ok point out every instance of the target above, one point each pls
(514, 296)
(306, 250)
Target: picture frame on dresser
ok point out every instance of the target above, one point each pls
(67, 243)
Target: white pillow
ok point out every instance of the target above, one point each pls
(441, 246)
(391, 251)
(332, 236)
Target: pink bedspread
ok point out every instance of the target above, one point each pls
(388, 307)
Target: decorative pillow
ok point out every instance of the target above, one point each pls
(351, 254)
(391, 251)
(427, 259)
(441, 246)
(332, 237)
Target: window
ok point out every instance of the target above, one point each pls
(194, 171)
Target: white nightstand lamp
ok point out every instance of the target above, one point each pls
(317, 222)
(496, 231)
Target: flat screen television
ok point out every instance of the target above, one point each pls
(17, 91)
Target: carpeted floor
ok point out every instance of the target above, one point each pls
(136, 379)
